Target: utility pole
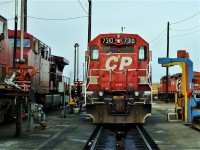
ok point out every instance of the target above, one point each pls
(22, 33)
(25, 15)
(76, 61)
(20, 98)
(167, 69)
(89, 32)
(83, 73)
(15, 34)
(89, 20)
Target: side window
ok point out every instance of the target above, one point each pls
(142, 53)
(36, 46)
(1, 27)
(150, 55)
(27, 42)
(94, 52)
(5, 30)
(2, 31)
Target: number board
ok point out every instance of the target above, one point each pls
(128, 40)
(107, 40)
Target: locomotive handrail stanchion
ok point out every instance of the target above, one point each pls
(126, 74)
(148, 74)
(110, 78)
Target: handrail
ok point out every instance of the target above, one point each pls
(148, 74)
(23, 73)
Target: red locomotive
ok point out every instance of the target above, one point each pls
(118, 88)
(39, 70)
(49, 68)
(6, 53)
(174, 86)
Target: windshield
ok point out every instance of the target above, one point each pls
(27, 42)
(115, 49)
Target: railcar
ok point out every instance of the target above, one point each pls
(174, 86)
(49, 83)
(6, 53)
(118, 88)
(37, 75)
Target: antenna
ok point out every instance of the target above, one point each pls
(122, 29)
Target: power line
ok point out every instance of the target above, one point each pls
(186, 29)
(6, 2)
(176, 30)
(82, 7)
(185, 34)
(158, 44)
(158, 36)
(185, 19)
(11, 19)
(52, 19)
(160, 41)
(56, 18)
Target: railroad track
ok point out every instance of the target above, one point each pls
(120, 137)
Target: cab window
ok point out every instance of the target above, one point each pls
(2, 31)
(142, 53)
(5, 31)
(109, 49)
(94, 52)
(126, 49)
(1, 27)
(27, 42)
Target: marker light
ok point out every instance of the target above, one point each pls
(136, 93)
(100, 93)
(118, 36)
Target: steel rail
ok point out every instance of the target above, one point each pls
(96, 139)
(146, 142)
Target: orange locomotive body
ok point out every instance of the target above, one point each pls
(118, 88)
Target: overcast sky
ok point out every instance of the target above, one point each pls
(148, 18)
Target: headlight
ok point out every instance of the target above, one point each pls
(100, 93)
(137, 93)
(118, 41)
